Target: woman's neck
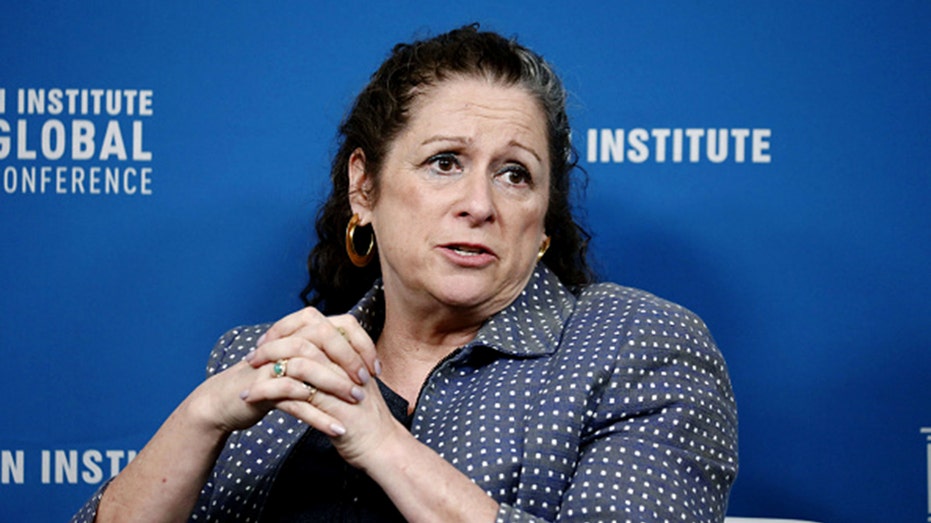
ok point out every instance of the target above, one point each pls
(411, 345)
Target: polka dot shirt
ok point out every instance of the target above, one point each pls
(609, 405)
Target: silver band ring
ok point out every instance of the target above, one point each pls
(280, 368)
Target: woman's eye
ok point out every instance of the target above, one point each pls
(445, 163)
(517, 175)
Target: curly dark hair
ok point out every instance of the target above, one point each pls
(381, 112)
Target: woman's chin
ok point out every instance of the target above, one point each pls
(463, 294)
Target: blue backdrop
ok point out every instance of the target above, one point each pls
(764, 164)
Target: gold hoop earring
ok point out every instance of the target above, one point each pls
(359, 260)
(543, 248)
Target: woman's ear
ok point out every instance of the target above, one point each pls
(360, 187)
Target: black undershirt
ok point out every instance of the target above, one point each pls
(315, 484)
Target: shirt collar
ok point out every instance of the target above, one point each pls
(529, 326)
(532, 324)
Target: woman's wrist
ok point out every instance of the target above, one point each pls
(423, 485)
(201, 414)
(393, 450)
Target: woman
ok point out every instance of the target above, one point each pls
(508, 386)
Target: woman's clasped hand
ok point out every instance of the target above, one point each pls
(326, 368)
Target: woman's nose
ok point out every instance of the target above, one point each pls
(476, 202)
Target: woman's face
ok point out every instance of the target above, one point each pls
(462, 197)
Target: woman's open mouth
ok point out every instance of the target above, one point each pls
(469, 254)
(467, 251)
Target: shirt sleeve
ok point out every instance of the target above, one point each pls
(663, 438)
(661, 441)
(229, 349)
(88, 512)
(217, 362)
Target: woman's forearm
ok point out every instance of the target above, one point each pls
(424, 486)
(164, 480)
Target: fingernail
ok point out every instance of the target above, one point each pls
(251, 356)
(364, 375)
(357, 393)
(377, 367)
(261, 339)
(338, 429)
(244, 395)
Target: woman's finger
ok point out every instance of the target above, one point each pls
(340, 338)
(290, 324)
(289, 379)
(335, 342)
(316, 418)
(290, 347)
(298, 346)
(348, 327)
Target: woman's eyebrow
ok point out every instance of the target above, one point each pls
(466, 141)
(515, 143)
(446, 138)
